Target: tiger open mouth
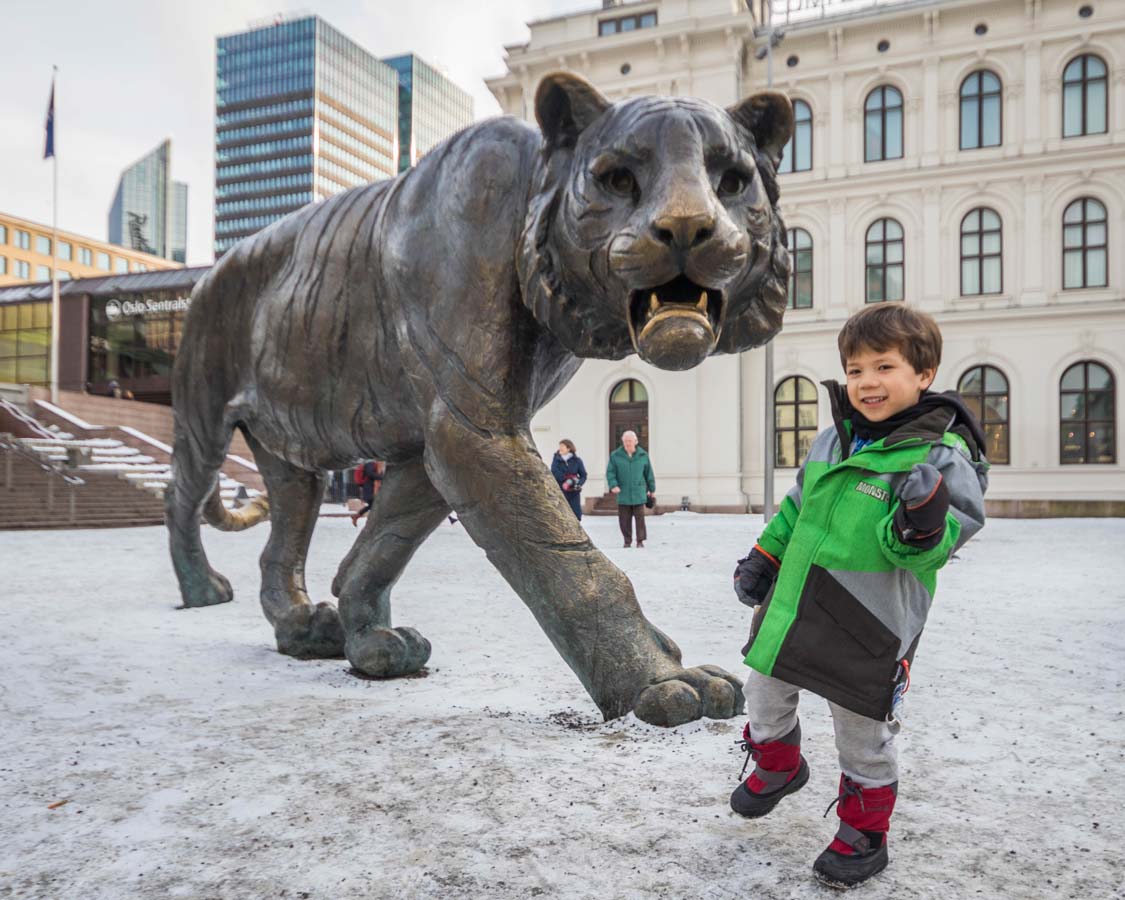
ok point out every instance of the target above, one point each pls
(675, 325)
(679, 297)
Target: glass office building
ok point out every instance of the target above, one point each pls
(302, 113)
(149, 210)
(430, 108)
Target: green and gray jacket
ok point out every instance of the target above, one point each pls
(850, 599)
(633, 474)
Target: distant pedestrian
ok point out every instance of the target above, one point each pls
(629, 476)
(369, 477)
(570, 473)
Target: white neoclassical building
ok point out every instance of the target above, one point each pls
(967, 156)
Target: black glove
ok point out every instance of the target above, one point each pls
(923, 502)
(754, 576)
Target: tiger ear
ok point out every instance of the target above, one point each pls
(565, 105)
(768, 115)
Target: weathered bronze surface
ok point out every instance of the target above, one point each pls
(424, 320)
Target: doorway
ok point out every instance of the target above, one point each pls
(628, 411)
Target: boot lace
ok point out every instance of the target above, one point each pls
(848, 789)
(751, 752)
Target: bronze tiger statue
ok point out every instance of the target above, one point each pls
(424, 320)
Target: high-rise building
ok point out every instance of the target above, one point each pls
(301, 113)
(430, 108)
(149, 211)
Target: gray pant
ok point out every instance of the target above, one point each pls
(866, 746)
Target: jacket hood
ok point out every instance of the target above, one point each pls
(935, 413)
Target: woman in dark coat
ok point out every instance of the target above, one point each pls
(369, 487)
(570, 473)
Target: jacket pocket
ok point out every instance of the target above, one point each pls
(839, 649)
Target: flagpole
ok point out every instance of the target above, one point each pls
(55, 313)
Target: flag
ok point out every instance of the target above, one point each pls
(49, 149)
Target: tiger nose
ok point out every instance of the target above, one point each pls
(683, 232)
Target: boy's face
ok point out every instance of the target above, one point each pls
(882, 383)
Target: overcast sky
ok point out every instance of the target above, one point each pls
(133, 72)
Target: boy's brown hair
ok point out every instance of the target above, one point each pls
(892, 326)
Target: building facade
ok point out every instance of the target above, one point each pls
(302, 113)
(966, 157)
(28, 253)
(430, 108)
(149, 210)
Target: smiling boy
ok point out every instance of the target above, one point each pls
(843, 577)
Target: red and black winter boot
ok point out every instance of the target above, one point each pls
(859, 849)
(780, 770)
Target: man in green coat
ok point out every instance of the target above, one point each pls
(629, 476)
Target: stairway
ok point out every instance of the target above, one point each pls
(34, 498)
(146, 427)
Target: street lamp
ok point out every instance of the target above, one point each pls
(773, 38)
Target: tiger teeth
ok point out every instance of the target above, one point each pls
(653, 303)
(702, 304)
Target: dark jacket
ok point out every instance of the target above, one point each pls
(569, 470)
(851, 598)
(632, 474)
(372, 480)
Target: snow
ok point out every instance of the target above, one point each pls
(197, 762)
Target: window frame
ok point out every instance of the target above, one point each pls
(982, 397)
(637, 20)
(881, 111)
(796, 428)
(980, 256)
(798, 122)
(1086, 420)
(884, 265)
(1085, 248)
(980, 96)
(1085, 80)
(795, 269)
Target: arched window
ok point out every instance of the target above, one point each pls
(795, 420)
(882, 124)
(980, 111)
(1085, 96)
(985, 391)
(884, 261)
(981, 253)
(797, 155)
(1084, 244)
(800, 275)
(628, 411)
(1087, 418)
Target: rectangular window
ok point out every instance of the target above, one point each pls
(103, 261)
(42, 245)
(65, 251)
(1072, 110)
(85, 256)
(23, 269)
(120, 265)
(64, 275)
(3, 234)
(42, 273)
(3, 265)
(1095, 107)
(23, 240)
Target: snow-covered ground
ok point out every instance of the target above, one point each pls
(193, 761)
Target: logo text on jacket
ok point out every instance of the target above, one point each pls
(873, 491)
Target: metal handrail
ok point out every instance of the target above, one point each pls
(12, 445)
